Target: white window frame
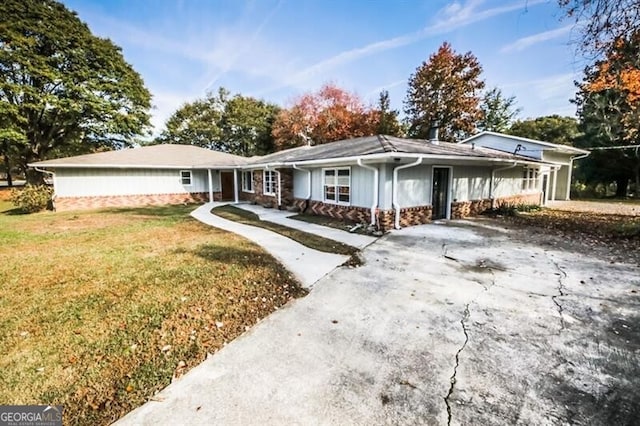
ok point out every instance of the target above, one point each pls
(183, 177)
(530, 179)
(247, 178)
(335, 186)
(274, 182)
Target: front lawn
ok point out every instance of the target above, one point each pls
(99, 310)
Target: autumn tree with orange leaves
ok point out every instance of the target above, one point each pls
(609, 109)
(327, 115)
(445, 90)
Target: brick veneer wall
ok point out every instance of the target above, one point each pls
(258, 195)
(409, 216)
(83, 203)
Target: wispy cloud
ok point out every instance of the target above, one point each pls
(526, 42)
(387, 86)
(549, 95)
(452, 17)
(243, 49)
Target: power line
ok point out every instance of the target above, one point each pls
(613, 147)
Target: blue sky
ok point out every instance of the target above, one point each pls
(278, 49)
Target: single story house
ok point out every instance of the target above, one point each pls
(382, 180)
(150, 175)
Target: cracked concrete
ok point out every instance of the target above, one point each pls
(382, 343)
(465, 317)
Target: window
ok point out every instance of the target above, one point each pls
(247, 181)
(530, 178)
(185, 177)
(337, 186)
(270, 182)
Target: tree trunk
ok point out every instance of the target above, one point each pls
(7, 167)
(637, 188)
(622, 184)
(34, 177)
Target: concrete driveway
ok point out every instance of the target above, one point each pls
(444, 324)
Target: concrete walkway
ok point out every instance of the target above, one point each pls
(306, 264)
(284, 218)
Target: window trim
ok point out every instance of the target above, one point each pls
(244, 179)
(274, 180)
(531, 183)
(182, 177)
(335, 186)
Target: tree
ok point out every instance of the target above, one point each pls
(388, 123)
(445, 90)
(609, 109)
(328, 115)
(197, 123)
(235, 124)
(498, 112)
(551, 128)
(246, 126)
(602, 22)
(62, 89)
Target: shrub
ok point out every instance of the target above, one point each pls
(32, 198)
(511, 209)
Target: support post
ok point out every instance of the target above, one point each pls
(210, 185)
(235, 185)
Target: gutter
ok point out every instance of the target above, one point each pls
(376, 184)
(394, 197)
(492, 186)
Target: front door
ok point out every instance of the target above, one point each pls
(545, 184)
(440, 194)
(226, 181)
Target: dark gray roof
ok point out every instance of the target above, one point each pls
(154, 156)
(380, 144)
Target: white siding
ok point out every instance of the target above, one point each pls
(414, 186)
(508, 182)
(509, 145)
(361, 185)
(103, 182)
(556, 157)
(471, 183)
(300, 182)
(386, 185)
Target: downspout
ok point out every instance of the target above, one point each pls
(394, 196)
(308, 197)
(376, 184)
(492, 185)
(575, 157)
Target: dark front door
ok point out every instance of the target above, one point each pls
(545, 180)
(440, 195)
(226, 180)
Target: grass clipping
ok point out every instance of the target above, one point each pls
(101, 310)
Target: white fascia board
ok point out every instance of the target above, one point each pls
(554, 146)
(389, 155)
(129, 166)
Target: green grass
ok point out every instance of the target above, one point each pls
(330, 222)
(313, 241)
(88, 300)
